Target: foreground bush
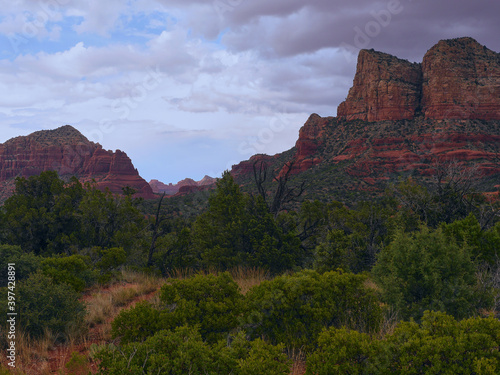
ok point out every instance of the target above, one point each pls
(43, 304)
(428, 270)
(214, 303)
(294, 309)
(439, 345)
(73, 270)
(26, 263)
(183, 351)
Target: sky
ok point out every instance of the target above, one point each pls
(188, 88)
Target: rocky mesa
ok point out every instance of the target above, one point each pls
(402, 118)
(69, 153)
(458, 79)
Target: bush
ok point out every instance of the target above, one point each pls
(342, 351)
(107, 261)
(26, 263)
(183, 351)
(137, 323)
(264, 358)
(439, 345)
(484, 244)
(214, 303)
(294, 309)
(73, 270)
(442, 345)
(428, 270)
(43, 304)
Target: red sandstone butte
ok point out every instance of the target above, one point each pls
(66, 151)
(461, 80)
(384, 88)
(458, 79)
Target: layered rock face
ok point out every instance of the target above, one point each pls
(458, 79)
(311, 137)
(461, 80)
(171, 189)
(66, 151)
(411, 119)
(385, 88)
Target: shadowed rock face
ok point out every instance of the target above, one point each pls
(458, 79)
(66, 151)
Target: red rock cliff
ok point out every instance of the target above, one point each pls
(458, 79)
(461, 81)
(66, 151)
(385, 88)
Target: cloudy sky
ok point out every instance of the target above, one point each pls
(190, 87)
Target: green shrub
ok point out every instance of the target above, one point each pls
(294, 309)
(484, 244)
(137, 323)
(442, 345)
(73, 270)
(107, 261)
(342, 351)
(213, 303)
(428, 270)
(439, 345)
(179, 352)
(43, 304)
(264, 358)
(183, 351)
(333, 253)
(25, 263)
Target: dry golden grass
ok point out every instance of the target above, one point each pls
(47, 355)
(299, 362)
(123, 296)
(99, 308)
(39, 356)
(245, 277)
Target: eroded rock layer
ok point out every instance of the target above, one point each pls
(66, 151)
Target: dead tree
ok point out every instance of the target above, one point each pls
(283, 194)
(156, 232)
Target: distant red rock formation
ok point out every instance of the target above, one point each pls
(245, 168)
(171, 189)
(458, 79)
(66, 151)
